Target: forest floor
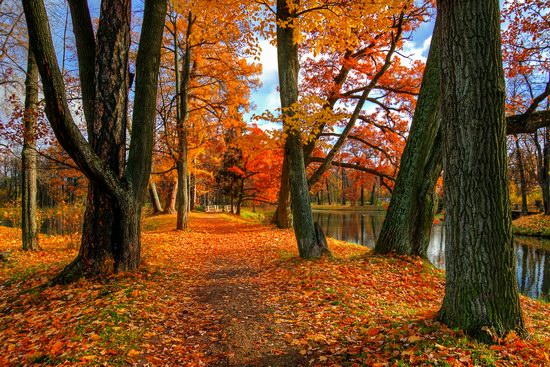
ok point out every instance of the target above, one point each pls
(537, 225)
(228, 292)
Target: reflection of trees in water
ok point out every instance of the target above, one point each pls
(532, 263)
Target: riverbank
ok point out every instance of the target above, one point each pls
(229, 292)
(352, 208)
(533, 225)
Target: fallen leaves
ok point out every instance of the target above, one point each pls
(229, 292)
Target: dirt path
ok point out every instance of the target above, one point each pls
(223, 285)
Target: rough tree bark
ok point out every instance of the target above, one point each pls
(111, 230)
(481, 291)
(29, 227)
(309, 237)
(412, 200)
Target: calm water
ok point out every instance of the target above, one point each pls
(532, 259)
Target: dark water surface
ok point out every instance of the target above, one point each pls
(532, 254)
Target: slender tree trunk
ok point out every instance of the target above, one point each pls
(310, 239)
(181, 124)
(193, 195)
(481, 291)
(408, 215)
(343, 187)
(545, 174)
(329, 199)
(155, 201)
(29, 227)
(521, 169)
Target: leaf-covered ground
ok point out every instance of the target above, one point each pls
(533, 225)
(233, 293)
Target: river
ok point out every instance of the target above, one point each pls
(532, 254)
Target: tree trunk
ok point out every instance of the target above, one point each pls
(523, 188)
(343, 187)
(545, 174)
(181, 124)
(309, 238)
(193, 189)
(481, 291)
(329, 199)
(408, 213)
(29, 227)
(155, 201)
(171, 196)
(110, 238)
(282, 217)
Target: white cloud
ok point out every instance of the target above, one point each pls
(416, 51)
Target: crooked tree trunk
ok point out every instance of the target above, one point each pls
(310, 239)
(111, 238)
(481, 292)
(154, 195)
(29, 227)
(409, 212)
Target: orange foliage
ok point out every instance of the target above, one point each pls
(231, 292)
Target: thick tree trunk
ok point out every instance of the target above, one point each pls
(110, 238)
(408, 216)
(481, 291)
(282, 217)
(309, 238)
(521, 169)
(154, 195)
(108, 140)
(29, 227)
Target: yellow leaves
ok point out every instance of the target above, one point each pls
(133, 353)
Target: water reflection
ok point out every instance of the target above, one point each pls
(532, 254)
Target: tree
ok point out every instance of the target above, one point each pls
(111, 230)
(406, 228)
(309, 236)
(481, 291)
(29, 226)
